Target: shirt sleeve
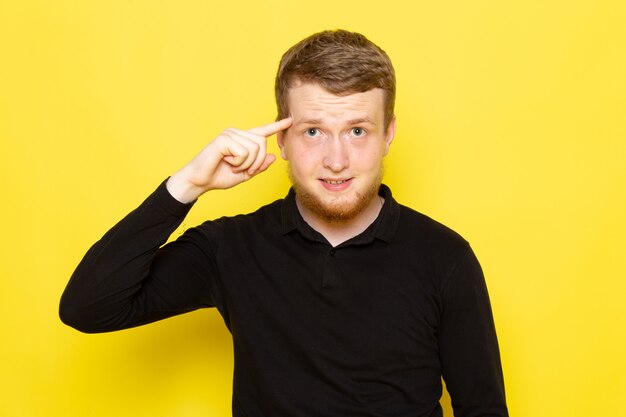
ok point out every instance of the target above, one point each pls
(127, 279)
(468, 345)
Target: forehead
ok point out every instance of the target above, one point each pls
(311, 101)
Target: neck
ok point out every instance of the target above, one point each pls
(339, 231)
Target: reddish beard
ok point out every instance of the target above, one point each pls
(341, 208)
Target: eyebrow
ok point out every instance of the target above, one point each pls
(361, 120)
(350, 122)
(309, 122)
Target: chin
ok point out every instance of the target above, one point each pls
(337, 209)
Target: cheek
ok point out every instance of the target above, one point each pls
(302, 161)
(303, 153)
(292, 148)
(305, 161)
(367, 159)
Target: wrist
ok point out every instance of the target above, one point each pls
(182, 189)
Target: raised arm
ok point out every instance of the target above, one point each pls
(126, 279)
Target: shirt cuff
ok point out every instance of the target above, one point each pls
(167, 202)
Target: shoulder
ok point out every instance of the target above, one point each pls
(407, 227)
(437, 251)
(267, 217)
(418, 227)
(421, 235)
(228, 232)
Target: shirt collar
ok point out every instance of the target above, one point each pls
(383, 228)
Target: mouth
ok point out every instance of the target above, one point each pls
(336, 184)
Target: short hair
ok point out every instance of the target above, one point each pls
(341, 62)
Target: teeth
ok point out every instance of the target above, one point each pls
(335, 182)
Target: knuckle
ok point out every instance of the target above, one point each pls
(227, 133)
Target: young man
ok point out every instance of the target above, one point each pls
(340, 301)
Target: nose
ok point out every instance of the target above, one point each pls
(336, 155)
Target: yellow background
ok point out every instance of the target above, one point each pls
(511, 130)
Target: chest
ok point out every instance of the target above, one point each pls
(364, 302)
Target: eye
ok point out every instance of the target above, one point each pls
(311, 132)
(358, 131)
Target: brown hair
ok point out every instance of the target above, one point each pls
(341, 62)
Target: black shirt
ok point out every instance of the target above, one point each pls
(366, 328)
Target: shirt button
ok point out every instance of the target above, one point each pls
(332, 252)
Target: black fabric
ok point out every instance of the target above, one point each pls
(366, 328)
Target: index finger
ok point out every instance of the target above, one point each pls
(272, 128)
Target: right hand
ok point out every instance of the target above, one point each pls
(233, 157)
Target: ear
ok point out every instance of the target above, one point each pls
(280, 138)
(391, 132)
